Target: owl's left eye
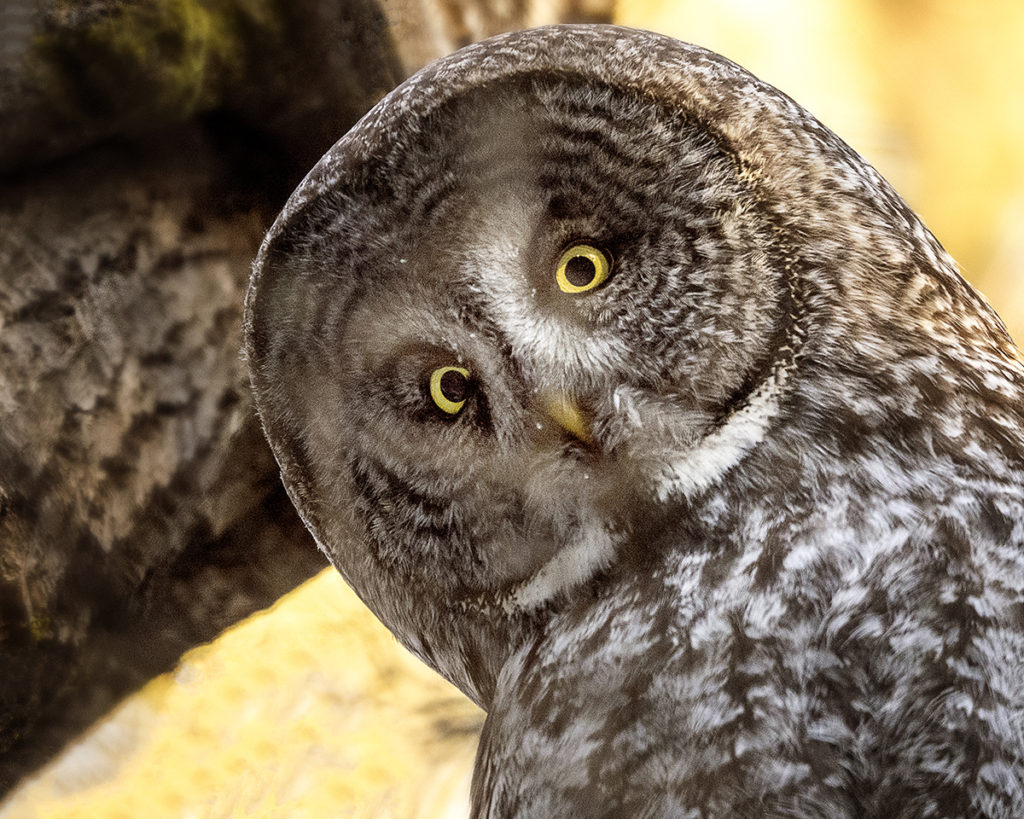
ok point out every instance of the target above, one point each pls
(449, 388)
(582, 268)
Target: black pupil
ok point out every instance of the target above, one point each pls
(454, 386)
(580, 271)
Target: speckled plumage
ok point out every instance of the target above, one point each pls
(782, 571)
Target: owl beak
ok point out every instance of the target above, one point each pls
(567, 414)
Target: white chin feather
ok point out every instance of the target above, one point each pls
(589, 553)
(693, 470)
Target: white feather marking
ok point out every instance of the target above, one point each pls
(573, 565)
(700, 468)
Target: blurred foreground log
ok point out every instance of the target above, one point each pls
(145, 145)
(141, 511)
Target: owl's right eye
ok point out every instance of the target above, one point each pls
(449, 388)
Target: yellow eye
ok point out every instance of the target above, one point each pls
(582, 268)
(449, 387)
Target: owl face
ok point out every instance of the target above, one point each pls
(523, 321)
(507, 365)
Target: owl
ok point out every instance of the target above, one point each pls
(639, 406)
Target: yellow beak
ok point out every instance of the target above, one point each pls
(564, 412)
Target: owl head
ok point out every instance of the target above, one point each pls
(544, 296)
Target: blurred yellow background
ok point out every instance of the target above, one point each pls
(310, 709)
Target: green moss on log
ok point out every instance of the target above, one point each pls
(133, 63)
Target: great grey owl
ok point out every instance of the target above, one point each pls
(642, 408)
